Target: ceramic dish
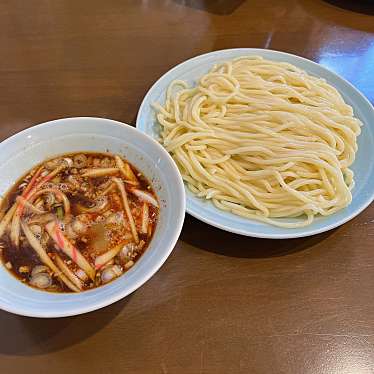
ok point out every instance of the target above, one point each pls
(26, 149)
(363, 166)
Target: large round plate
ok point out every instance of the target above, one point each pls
(363, 166)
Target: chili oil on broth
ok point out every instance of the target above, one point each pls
(76, 222)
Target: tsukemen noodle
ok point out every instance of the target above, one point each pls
(263, 140)
(77, 222)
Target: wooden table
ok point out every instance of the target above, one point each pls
(222, 303)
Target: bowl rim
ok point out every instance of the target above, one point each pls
(266, 53)
(151, 271)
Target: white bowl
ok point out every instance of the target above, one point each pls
(26, 149)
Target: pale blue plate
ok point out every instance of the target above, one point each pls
(363, 167)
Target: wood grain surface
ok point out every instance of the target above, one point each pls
(222, 303)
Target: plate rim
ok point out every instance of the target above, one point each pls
(288, 235)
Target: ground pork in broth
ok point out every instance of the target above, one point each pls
(76, 222)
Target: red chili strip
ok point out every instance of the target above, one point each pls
(32, 182)
(59, 239)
